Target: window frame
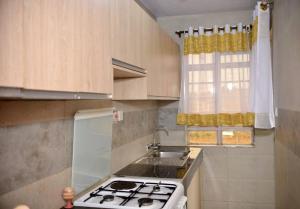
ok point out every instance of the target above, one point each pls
(219, 139)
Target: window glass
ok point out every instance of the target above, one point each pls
(202, 137)
(241, 137)
(219, 83)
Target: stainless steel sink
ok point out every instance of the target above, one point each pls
(164, 154)
(172, 156)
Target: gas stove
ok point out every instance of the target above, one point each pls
(132, 193)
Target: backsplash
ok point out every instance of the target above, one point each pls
(167, 118)
(32, 152)
(42, 134)
(136, 124)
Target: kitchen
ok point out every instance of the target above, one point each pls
(64, 60)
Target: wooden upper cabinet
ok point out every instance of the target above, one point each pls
(93, 46)
(162, 61)
(11, 42)
(151, 55)
(67, 45)
(126, 31)
(174, 71)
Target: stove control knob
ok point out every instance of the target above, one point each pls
(68, 195)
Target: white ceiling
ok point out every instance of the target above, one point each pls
(161, 8)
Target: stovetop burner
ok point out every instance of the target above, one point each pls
(156, 188)
(107, 198)
(123, 185)
(120, 193)
(145, 202)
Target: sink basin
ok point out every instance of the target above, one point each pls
(163, 154)
(170, 156)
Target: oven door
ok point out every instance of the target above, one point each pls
(182, 203)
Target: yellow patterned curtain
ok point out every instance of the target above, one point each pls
(221, 119)
(227, 42)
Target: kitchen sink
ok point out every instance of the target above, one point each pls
(164, 154)
(171, 156)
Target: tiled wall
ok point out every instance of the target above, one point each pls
(231, 178)
(36, 146)
(286, 67)
(131, 135)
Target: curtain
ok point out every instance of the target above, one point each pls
(261, 94)
(227, 76)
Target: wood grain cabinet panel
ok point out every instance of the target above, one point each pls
(67, 45)
(174, 73)
(93, 46)
(126, 29)
(138, 40)
(11, 42)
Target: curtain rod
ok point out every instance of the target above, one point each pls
(180, 32)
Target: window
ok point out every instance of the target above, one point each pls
(218, 83)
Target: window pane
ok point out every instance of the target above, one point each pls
(241, 137)
(202, 137)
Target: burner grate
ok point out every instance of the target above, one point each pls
(130, 190)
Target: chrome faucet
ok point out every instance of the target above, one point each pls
(155, 145)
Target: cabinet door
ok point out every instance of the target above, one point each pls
(174, 71)
(126, 30)
(11, 42)
(67, 45)
(155, 63)
(166, 56)
(49, 45)
(150, 56)
(161, 58)
(92, 46)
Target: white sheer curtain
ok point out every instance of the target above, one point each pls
(228, 73)
(215, 82)
(261, 94)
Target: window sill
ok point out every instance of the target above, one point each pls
(218, 145)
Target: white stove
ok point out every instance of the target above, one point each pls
(132, 193)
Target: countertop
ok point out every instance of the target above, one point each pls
(184, 174)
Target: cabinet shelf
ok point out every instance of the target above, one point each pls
(122, 73)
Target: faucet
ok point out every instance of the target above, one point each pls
(155, 145)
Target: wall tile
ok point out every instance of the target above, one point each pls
(44, 193)
(265, 206)
(241, 191)
(281, 175)
(214, 205)
(127, 153)
(32, 152)
(242, 167)
(167, 118)
(135, 125)
(215, 190)
(215, 166)
(265, 192)
(175, 138)
(237, 205)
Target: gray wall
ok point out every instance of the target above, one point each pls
(36, 146)
(286, 51)
(232, 178)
